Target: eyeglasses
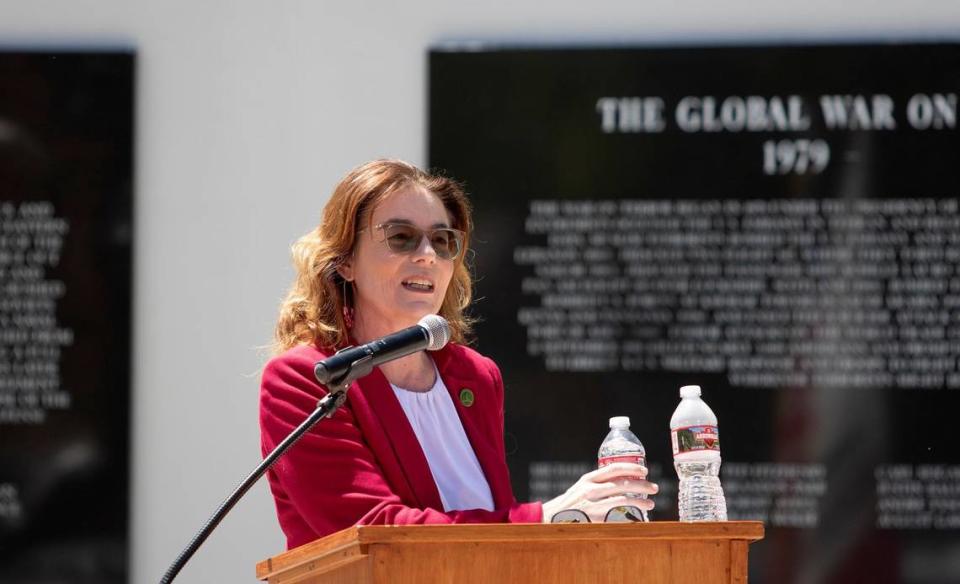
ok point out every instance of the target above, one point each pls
(405, 238)
(619, 514)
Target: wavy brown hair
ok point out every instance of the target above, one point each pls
(313, 311)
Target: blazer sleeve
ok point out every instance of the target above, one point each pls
(331, 478)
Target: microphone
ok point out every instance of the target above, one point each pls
(431, 333)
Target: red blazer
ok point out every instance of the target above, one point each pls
(365, 466)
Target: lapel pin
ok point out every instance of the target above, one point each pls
(466, 397)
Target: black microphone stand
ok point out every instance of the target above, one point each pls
(326, 408)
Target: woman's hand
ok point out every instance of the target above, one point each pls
(599, 490)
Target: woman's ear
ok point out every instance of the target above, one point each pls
(345, 269)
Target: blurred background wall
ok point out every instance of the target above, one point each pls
(247, 114)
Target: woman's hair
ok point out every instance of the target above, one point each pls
(313, 311)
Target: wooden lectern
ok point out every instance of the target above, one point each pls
(658, 552)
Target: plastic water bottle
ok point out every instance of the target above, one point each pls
(696, 456)
(622, 445)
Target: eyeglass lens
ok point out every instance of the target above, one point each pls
(570, 516)
(624, 514)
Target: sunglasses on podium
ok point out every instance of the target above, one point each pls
(619, 514)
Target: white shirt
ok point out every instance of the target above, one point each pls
(453, 464)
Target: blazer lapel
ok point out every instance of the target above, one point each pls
(379, 395)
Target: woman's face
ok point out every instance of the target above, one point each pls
(395, 290)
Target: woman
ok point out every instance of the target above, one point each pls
(420, 439)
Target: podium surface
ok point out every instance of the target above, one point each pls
(657, 552)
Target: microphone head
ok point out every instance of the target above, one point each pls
(438, 331)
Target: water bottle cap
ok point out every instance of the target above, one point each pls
(690, 391)
(620, 422)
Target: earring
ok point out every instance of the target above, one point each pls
(347, 309)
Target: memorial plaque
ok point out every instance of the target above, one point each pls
(66, 178)
(780, 225)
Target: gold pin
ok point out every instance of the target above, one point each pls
(466, 397)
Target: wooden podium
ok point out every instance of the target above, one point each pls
(667, 552)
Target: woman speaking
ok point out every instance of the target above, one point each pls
(420, 439)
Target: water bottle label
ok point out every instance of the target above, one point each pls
(634, 458)
(695, 438)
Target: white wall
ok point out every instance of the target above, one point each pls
(248, 114)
